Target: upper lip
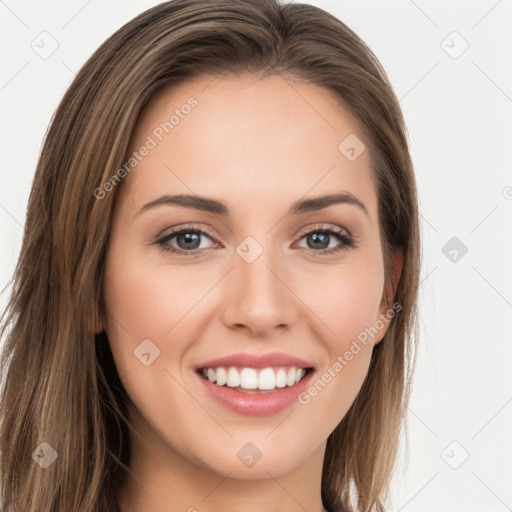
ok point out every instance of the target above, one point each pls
(257, 361)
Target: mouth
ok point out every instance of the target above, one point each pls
(254, 380)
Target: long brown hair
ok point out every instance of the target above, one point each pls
(60, 385)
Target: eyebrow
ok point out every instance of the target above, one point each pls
(213, 206)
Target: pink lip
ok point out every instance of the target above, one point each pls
(256, 361)
(257, 404)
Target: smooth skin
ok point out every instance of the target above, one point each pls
(258, 146)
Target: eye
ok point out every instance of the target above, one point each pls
(321, 236)
(188, 240)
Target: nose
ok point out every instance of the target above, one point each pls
(258, 296)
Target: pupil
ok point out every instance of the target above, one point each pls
(320, 237)
(189, 238)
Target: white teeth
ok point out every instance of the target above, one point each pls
(222, 376)
(233, 380)
(290, 379)
(267, 379)
(251, 378)
(280, 378)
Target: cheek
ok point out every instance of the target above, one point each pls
(348, 310)
(135, 305)
(147, 298)
(346, 305)
(346, 301)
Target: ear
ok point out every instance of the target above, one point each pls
(386, 310)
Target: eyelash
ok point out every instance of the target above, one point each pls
(348, 241)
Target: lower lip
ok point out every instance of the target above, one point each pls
(256, 404)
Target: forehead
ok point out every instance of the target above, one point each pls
(251, 140)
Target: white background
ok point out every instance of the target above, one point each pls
(459, 117)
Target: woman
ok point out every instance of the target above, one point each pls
(215, 303)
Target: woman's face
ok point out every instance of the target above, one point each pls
(252, 274)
